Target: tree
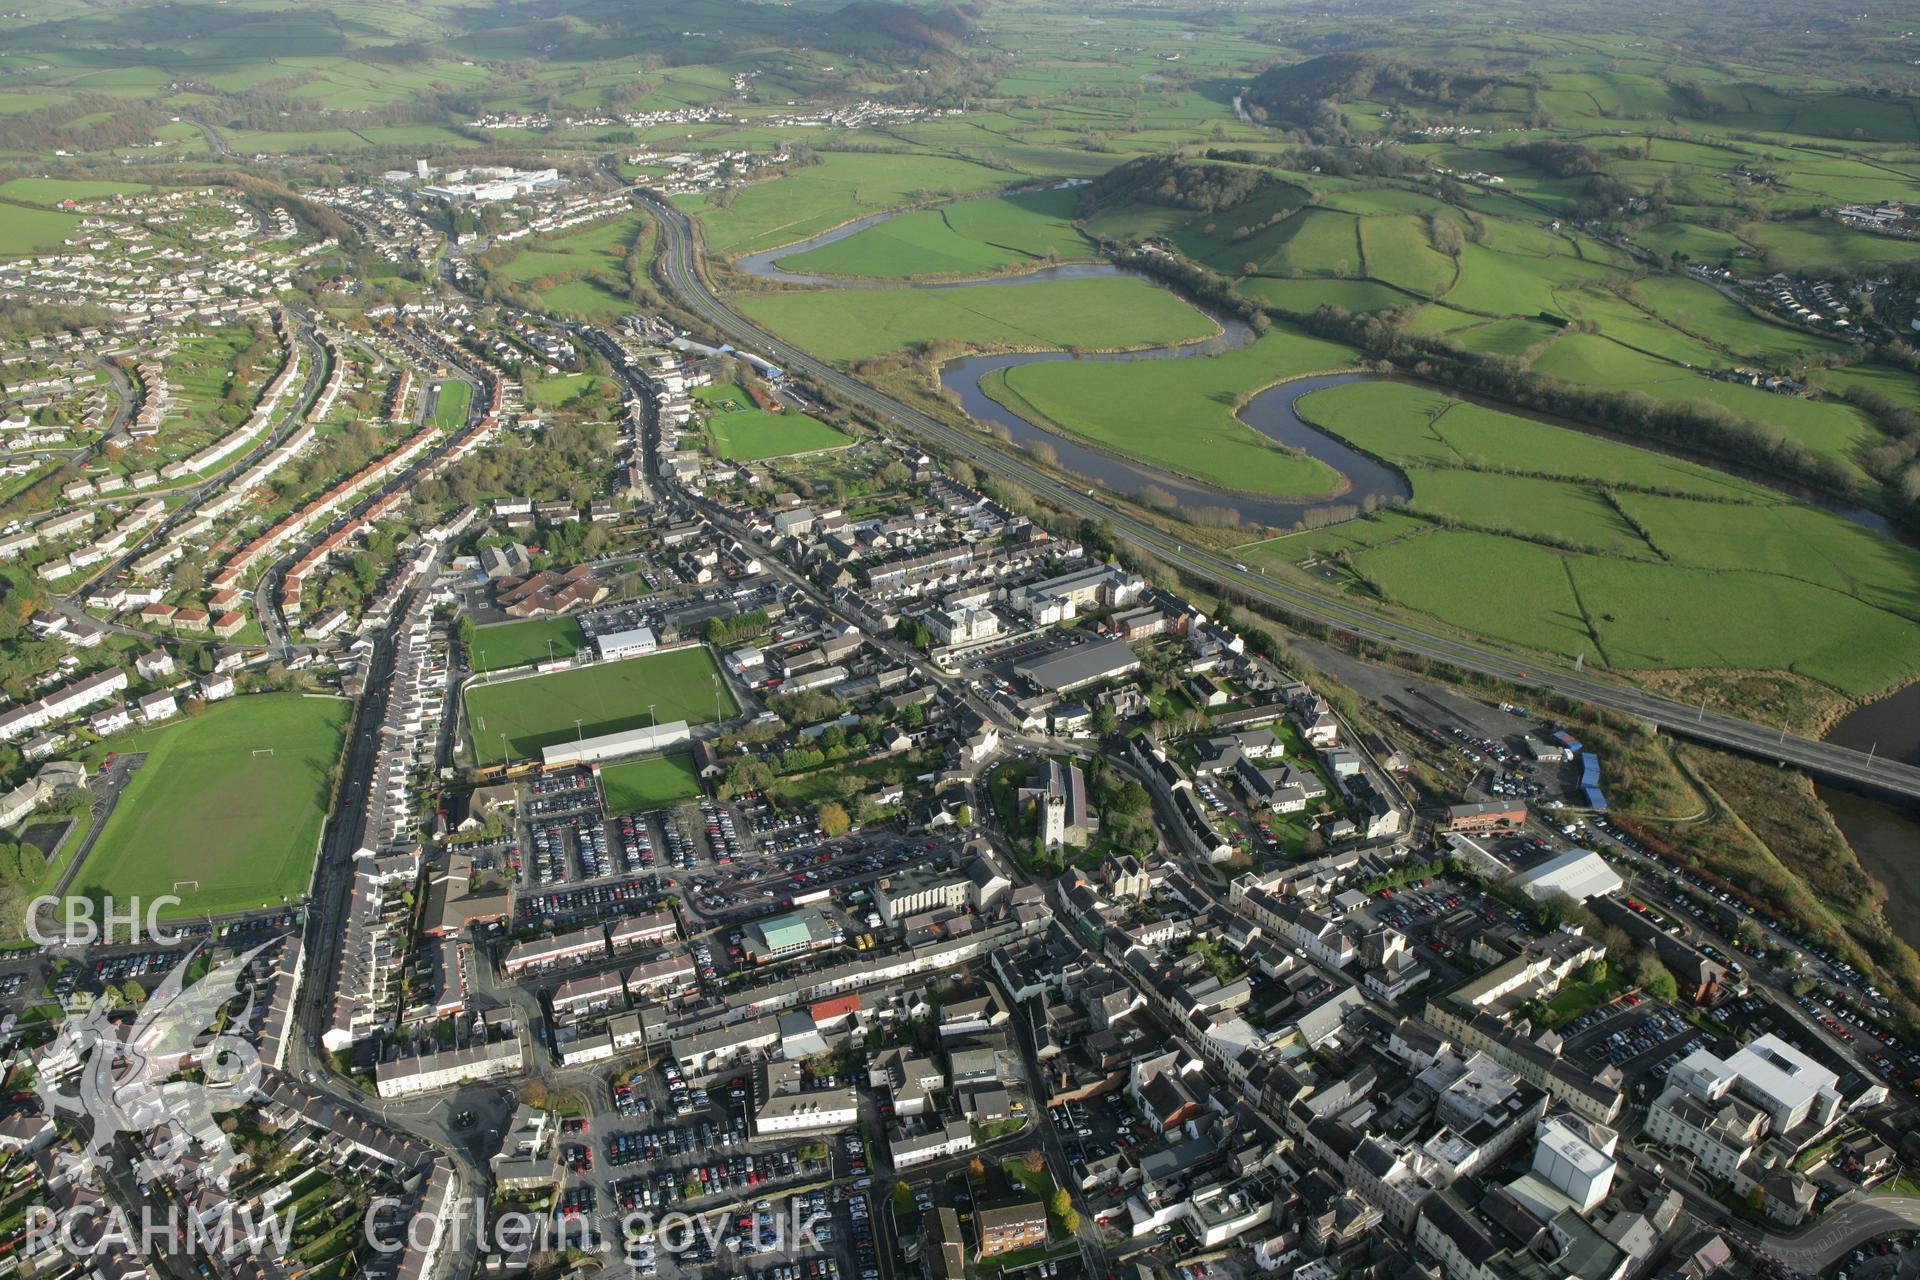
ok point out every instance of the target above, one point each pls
(466, 631)
(964, 815)
(832, 819)
(976, 1166)
(132, 992)
(1034, 1161)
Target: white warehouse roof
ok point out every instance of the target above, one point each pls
(1578, 873)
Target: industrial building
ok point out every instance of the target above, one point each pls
(1078, 666)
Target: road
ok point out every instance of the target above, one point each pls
(1844, 1227)
(215, 143)
(680, 273)
(332, 887)
(1848, 1223)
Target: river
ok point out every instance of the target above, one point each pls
(1884, 833)
(1269, 412)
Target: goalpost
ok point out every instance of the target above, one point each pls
(262, 751)
(188, 886)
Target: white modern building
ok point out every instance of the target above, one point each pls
(1791, 1088)
(1576, 1158)
(818, 1109)
(626, 644)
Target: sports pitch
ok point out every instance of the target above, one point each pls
(517, 644)
(637, 786)
(226, 812)
(745, 433)
(605, 697)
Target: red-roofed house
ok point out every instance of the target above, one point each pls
(833, 1014)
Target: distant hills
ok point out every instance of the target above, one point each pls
(888, 32)
(1304, 95)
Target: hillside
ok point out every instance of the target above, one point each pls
(1304, 95)
(886, 32)
(1174, 182)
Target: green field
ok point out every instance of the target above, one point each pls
(1178, 415)
(1396, 250)
(1633, 614)
(637, 786)
(1418, 426)
(557, 390)
(1576, 544)
(585, 299)
(599, 246)
(450, 405)
(970, 237)
(1703, 311)
(209, 806)
(53, 190)
(1303, 296)
(842, 187)
(501, 645)
(1828, 428)
(744, 433)
(24, 230)
(859, 324)
(606, 697)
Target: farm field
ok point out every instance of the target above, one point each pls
(1415, 425)
(1511, 337)
(1634, 614)
(1305, 295)
(53, 190)
(1313, 241)
(600, 246)
(636, 786)
(584, 299)
(25, 230)
(1830, 429)
(503, 645)
(843, 186)
(210, 805)
(1632, 558)
(1349, 535)
(1704, 312)
(605, 697)
(1131, 408)
(744, 433)
(1620, 320)
(848, 325)
(1516, 283)
(966, 237)
(1396, 249)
